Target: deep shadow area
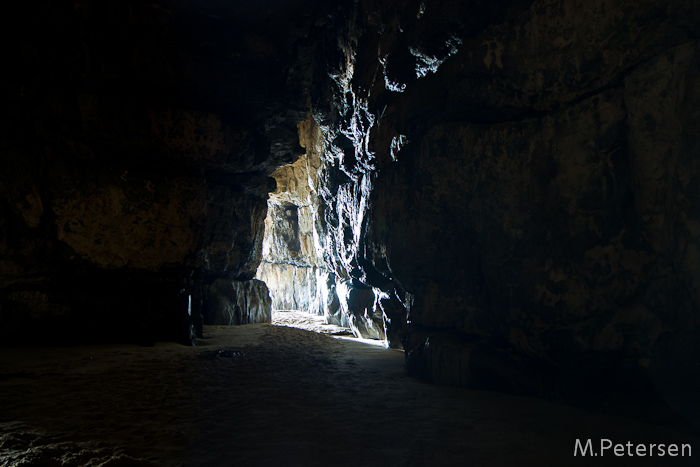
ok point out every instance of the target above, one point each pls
(266, 396)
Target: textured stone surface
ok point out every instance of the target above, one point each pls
(359, 305)
(300, 268)
(561, 239)
(293, 263)
(137, 144)
(298, 287)
(516, 180)
(230, 302)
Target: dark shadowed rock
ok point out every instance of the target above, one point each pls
(524, 174)
(230, 302)
(137, 144)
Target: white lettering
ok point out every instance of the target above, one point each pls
(641, 450)
(578, 447)
(585, 448)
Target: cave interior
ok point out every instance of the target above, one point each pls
(505, 190)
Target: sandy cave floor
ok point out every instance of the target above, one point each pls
(262, 395)
(302, 320)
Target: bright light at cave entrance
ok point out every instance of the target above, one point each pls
(295, 266)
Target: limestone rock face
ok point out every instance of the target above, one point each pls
(230, 302)
(516, 182)
(294, 265)
(359, 305)
(305, 288)
(137, 144)
(300, 263)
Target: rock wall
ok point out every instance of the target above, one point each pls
(300, 264)
(137, 143)
(293, 263)
(516, 181)
(237, 302)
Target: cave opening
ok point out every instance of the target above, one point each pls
(302, 287)
(307, 289)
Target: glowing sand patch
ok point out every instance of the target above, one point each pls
(307, 321)
(315, 323)
(374, 342)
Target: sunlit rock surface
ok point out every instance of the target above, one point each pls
(293, 264)
(299, 259)
(359, 305)
(516, 180)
